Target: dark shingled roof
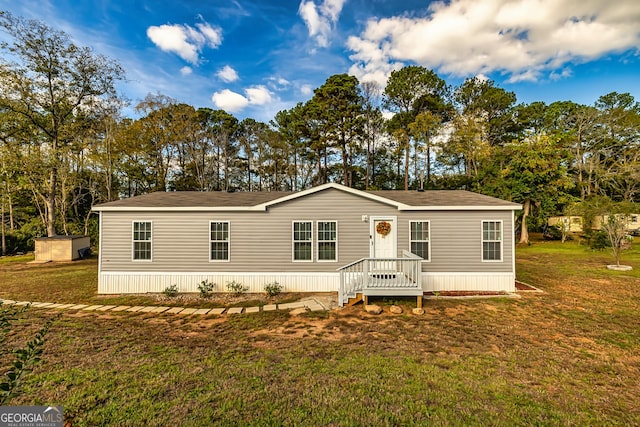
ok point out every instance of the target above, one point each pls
(441, 198)
(220, 199)
(192, 199)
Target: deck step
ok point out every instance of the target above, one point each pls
(354, 300)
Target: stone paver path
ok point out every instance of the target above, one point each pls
(311, 304)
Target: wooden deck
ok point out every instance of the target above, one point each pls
(381, 277)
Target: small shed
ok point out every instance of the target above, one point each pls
(61, 248)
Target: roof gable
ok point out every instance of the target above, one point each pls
(403, 200)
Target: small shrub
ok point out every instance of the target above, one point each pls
(206, 288)
(272, 289)
(18, 363)
(171, 291)
(599, 241)
(236, 288)
(553, 232)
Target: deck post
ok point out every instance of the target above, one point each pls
(365, 274)
(365, 298)
(419, 302)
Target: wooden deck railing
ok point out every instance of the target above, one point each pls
(381, 276)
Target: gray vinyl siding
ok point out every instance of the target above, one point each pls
(262, 241)
(456, 240)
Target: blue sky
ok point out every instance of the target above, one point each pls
(256, 57)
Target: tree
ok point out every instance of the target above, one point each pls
(253, 138)
(424, 128)
(222, 128)
(293, 132)
(49, 80)
(482, 99)
(619, 169)
(337, 104)
(534, 173)
(467, 150)
(373, 126)
(155, 134)
(575, 126)
(410, 91)
(613, 218)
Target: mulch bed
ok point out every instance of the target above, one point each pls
(463, 293)
(520, 286)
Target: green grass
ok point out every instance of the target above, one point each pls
(568, 356)
(16, 259)
(77, 282)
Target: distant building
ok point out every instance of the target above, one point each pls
(574, 224)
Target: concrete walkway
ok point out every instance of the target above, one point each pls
(307, 304)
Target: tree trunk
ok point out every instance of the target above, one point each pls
(368, 168)
(428, 164)
(524, 233)
(4, 241)
(10, 203)
(50, 202)
(325, 172)
(406, 168)
(345, 166)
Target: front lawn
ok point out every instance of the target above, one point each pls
(569, 356)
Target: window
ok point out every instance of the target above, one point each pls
(302, 241)
(327, 241)
(419, 238)
(491, 240)
(219, 244)
(141, 240)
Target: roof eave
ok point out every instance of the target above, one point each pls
(257, 208)
(462, 208)
(336, 186)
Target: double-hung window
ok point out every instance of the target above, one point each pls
(302, 241)
(491, 240)
(327, 241)
(219, 241)
(141, 238)
(419, 239)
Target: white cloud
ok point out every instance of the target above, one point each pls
(184, 40)
(233, 102)
(185, 71)
(278, 83)
(229, 101)
(227, 74)
(554, 75)
(321, 18)
(523, 39)
(212, 35)
(306, 90)
(258, 95)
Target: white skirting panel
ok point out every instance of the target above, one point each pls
(140, 282)
(492, 282)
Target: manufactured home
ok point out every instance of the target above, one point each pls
(575, 224)
(329, 238)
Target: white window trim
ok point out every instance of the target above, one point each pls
(428, 241)
(318, 241)
(228, 241)
(482, 241)
(293, 242)
(133, 242)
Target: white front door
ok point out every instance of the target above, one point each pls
(383, 237)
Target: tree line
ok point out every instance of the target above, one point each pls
(65, 146)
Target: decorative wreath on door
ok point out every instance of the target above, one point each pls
(383, 228)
